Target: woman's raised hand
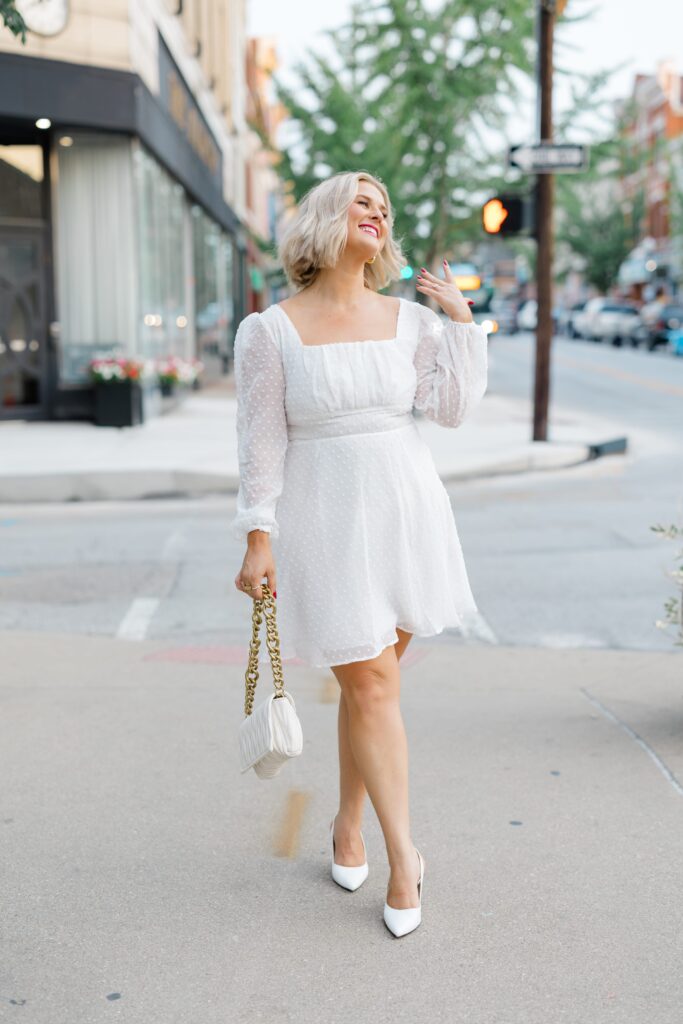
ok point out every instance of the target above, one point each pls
(446, 292)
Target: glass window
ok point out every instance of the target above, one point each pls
(164, 321)
(228, 276)
(214, 291)
(95, 265)
(21, 176)
(22, 354)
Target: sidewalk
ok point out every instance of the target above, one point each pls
(193, 451)
(141, 866)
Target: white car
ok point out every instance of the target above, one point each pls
(584, 321)
(616, 322)
(526, 317)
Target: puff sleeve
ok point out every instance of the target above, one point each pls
(261, 427)
(451, 365)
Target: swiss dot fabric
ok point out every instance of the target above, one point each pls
(333, 466)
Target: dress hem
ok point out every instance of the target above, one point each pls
(309, 663)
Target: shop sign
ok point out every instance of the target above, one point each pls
(183, 108)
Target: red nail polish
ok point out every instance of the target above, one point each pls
(470, 302)
(275, 593)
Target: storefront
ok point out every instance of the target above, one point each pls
(114, 234)
(648, 268)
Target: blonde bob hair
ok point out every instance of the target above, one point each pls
(317, 233)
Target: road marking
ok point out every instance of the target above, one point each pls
(331, 690)
(632, 378)
(663, 768)
(562, 640)
(174, 546)
(287, 841)
(482, 631)
(135, 622)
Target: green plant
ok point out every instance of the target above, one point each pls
(413, 94)
(673, 606)
(12, 19)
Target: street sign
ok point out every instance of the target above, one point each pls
(548, 158)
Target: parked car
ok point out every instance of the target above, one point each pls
(616, 322)
(584, 320)
(505, 312)
(526, 315)
(658, 332)
(567, 322)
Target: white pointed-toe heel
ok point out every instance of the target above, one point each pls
(400, 922)
(348, 877)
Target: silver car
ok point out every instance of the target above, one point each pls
(584, 320)
(616, 322)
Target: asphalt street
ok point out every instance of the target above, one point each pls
(556, 558)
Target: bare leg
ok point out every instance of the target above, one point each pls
(375, 735)
(352, 791)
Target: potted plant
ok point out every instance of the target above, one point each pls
(172, 371)
(195, 368)
(168, 374)
(118, 391)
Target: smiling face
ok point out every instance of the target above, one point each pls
(368, 224)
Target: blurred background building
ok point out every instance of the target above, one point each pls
(267, 204)
(653, 128)
(135, 205)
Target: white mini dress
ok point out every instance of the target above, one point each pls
(333, 466)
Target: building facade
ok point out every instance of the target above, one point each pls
(268, 205)
(123, 194)
(652, 121)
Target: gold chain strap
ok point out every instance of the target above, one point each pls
(263, 607)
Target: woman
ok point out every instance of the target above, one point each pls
(334, 472)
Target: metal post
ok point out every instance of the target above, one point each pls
(544, 213)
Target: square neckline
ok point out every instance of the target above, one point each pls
(330, 344)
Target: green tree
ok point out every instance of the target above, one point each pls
(596, 220)
(601, 237)
(12, 19)
(412, 94)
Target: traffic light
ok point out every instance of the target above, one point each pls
(506, 215)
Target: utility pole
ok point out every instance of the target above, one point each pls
(544, 214)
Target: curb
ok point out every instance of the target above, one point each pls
(133, 485)
(527, 461)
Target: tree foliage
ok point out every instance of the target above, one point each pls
(601, 237)
(12, 19)
(597, 221)
(411, 95)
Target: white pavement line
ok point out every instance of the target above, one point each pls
(173, 546)
(664, 769)
(482, 631)
(135, 622)
(562, 640)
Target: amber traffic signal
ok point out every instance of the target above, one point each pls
(504, 215)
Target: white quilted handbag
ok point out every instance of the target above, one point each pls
(271, 733)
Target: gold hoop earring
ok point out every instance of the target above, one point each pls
(373, 259)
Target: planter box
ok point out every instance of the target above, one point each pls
(118, 404)
(168, 387)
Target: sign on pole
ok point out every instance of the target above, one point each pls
(548, 158)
